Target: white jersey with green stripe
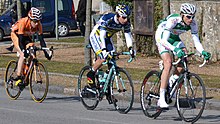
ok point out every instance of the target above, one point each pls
(171, 27)
(176, 26)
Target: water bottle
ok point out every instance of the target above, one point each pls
(105, 76)
(161, 64)
(171, 83)
(172, 80)
(100, 74)
(25, 68)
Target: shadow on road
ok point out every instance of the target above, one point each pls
(71, 98)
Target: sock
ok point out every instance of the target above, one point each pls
(162, 94)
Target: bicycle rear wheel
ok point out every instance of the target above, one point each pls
(88, 101)
(39, 82)
(122, 92)
(191, 98)
(150, 94)
(10, 74)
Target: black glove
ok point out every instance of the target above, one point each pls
(47, 55)
(26, 53)
(132, 52)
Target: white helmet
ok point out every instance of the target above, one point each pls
(187, 8)
(34, 14)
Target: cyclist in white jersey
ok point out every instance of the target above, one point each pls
(101, 41)
(167, 38)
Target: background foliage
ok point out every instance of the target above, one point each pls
(145, 44)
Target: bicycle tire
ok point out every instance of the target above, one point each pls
(39, 82)
(190, 108)
(123, 94)
(149, 94)
(12, 91)
(89, 103)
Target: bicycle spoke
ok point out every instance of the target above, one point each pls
(123, 96)
(88, 100)
(191, 99)
(12, 91)
(149, 94)
(39, 82)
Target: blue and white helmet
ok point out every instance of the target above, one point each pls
(123, 10)
(187, 8)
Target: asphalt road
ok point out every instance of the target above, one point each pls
(64, 109)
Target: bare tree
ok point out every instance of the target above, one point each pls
(166, 8)
(19, 9)
(87, 51)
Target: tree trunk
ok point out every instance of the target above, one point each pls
(166, 8)
(19, 9)
(87, 51)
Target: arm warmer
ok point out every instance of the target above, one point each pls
(197, 43)
(102, 38)
(20, 40)
(128, 38)
(164, 40)
(42, 42)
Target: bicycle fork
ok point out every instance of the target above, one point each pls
(118, 79)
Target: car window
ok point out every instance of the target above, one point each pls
(43, 5)
(63, 5)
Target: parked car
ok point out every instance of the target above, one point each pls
(66, 16)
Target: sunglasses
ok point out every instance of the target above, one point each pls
(190, 16)
(35, 21)
(124, 17)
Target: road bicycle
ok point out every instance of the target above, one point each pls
(34, 74)
(115, 83)
(188, 88)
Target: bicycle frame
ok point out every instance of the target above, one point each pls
(183, 75)
(32, 60)
(111, 74)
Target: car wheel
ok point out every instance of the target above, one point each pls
(63, 30)
(1, 34)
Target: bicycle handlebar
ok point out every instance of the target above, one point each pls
(126, 53)
(34, 48)
(115, 54)
(188, 55)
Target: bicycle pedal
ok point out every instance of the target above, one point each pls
(164, 109)
(109, 100)
(21, 87)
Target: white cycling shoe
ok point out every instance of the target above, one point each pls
(162, 104)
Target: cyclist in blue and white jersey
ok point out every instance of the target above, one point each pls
(101, 41)
(167, 38)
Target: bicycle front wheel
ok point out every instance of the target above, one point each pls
(150, 94)
(10, 74)
(122, 91)
(39, 82)
(191, 98)
(90, 102)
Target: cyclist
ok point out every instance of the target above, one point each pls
(101, 41)
(21, 35)
(167, 38)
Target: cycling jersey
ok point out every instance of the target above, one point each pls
(23, 26)
(22, 32)
(169, 30)
(106, 27)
